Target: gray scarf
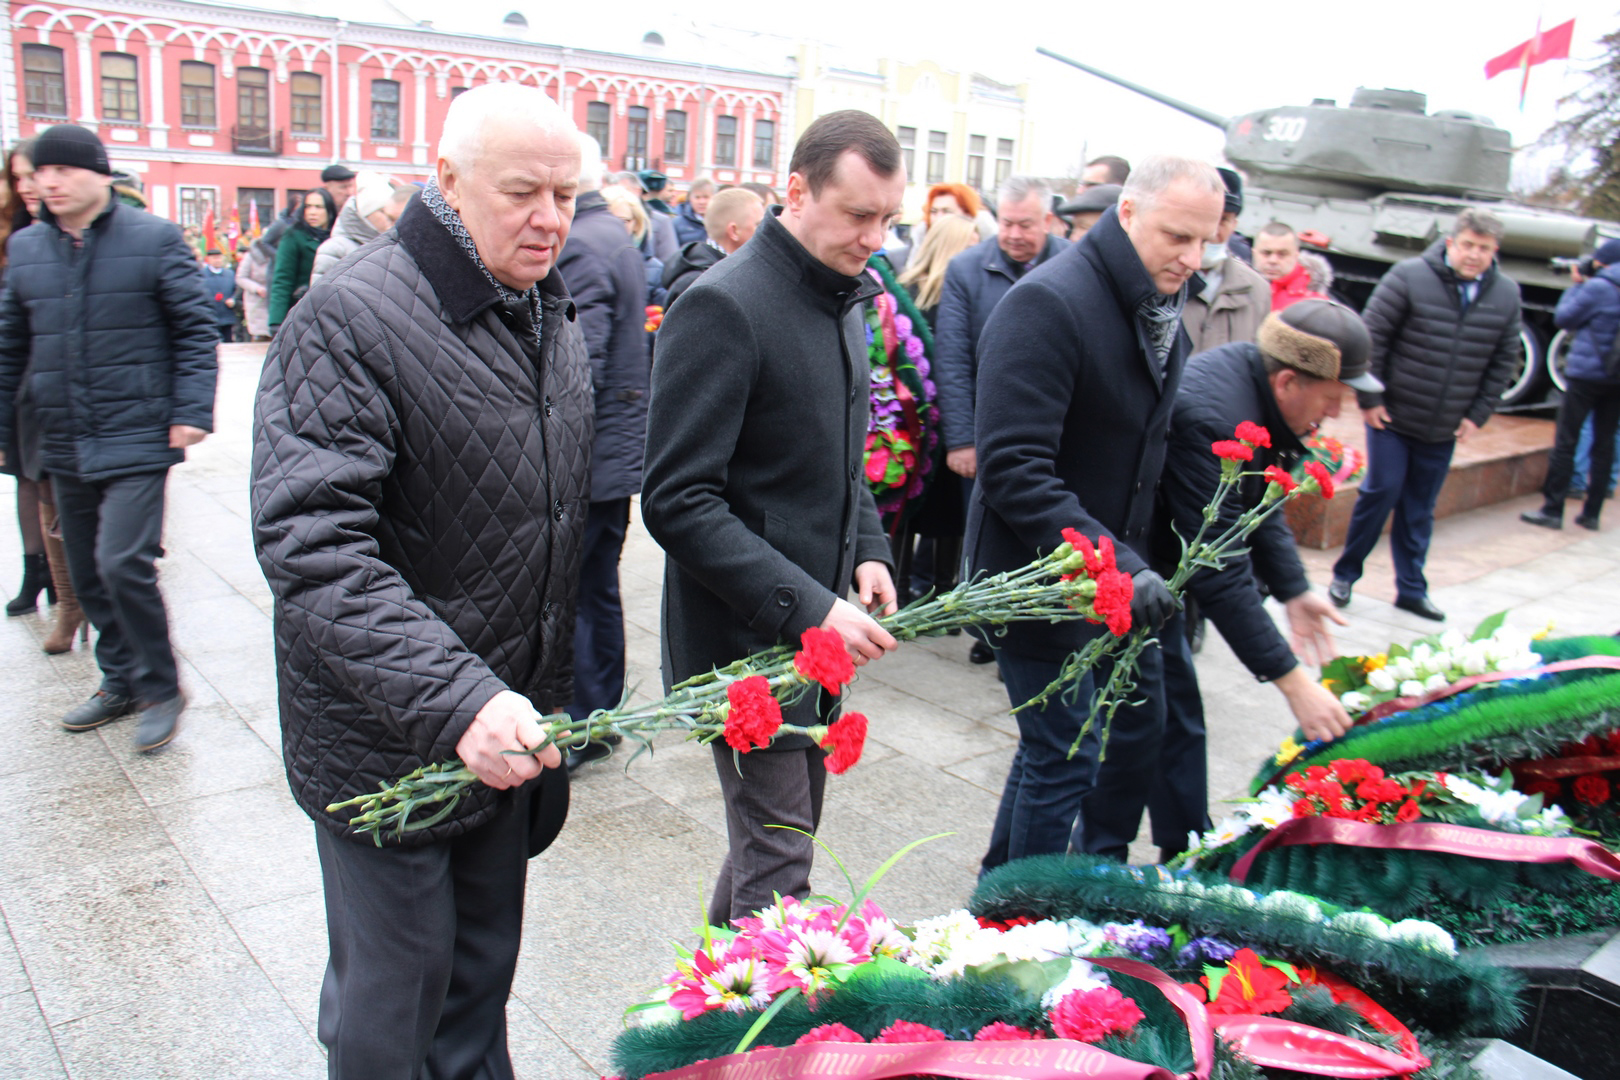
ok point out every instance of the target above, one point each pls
(433, 199)
(1161, 317)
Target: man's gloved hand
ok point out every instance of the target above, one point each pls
(1151, 600)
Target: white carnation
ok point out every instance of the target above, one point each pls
(1296, 904)
(1364, 923)
(1411, 688)
(1081, 977)
(1381, 680)
(1436, 681)
(1453, 640)
(1355, 701)
(1402, 668)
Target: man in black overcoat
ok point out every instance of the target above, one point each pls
(1078, 368)
(603, 271)
(753, 483)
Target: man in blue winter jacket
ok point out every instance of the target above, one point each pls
(1592, 311)
(105, 317)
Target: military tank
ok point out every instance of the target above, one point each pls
(1379, 180)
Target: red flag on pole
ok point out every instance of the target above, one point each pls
(1546, 45)
(208, 230)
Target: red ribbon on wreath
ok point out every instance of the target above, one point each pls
(1587, 855)
(1277, 1043)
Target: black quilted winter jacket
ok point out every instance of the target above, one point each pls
(418, 507)
(117, 340)
(1439, 363)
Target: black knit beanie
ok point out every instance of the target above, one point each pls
(70, 144)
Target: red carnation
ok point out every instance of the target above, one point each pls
(1232, 450)
(1112, 603)
(1318, 472)
(1004, 1032)
(1305, 808)
(1253, 434)
(833, 1033)
(1592, 789)
(1005, 924)
(1612, 742)
(1089, 1015)
(219, 296)
(1408, 811)
(1550, 790)
(1282, 478)
(754, 715)
(844, 742)
(824, 659)
(907, 1031)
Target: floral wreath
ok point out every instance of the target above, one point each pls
(902, 438)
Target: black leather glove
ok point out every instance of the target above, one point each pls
(1151, 600)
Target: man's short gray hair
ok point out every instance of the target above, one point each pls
(470, 113)
(590, 163)
(1479, 220)
(1153, 177)
(1018, 188)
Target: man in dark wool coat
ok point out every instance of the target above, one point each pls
(1078, 369)
(753, 482)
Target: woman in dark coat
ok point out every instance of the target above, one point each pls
(21, 203)
(295, 256)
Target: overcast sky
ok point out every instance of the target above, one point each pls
(1230, 56)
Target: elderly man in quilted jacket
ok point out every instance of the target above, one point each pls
(1445, 333)
(421, 443)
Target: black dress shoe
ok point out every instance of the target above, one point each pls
(1545, 520)
(1420, 606)
(981, 654)
(591, 751)
(1588, 521)
(1339, 592)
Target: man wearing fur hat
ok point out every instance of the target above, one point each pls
(1288, 383)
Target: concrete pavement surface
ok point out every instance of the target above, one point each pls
(163, 913)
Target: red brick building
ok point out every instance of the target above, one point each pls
(218, 105)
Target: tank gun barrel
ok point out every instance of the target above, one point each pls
(1212, 118)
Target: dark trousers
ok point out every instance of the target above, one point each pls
(1179, 801)
(776, 787)
(423, 944)
(1053, 803)
(227, 331)
(599, 619)
(112, 531)
(1405, 476)
(1600, 401)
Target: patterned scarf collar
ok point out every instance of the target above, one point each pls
(433, 200)
(1161, 315)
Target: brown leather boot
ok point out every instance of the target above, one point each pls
(69, 616)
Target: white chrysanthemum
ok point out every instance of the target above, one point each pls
(1381, 680)
(1452, 640)
(1424, 935)
(1284, 902)
(1411, 688)
(1421, 654)
(1042, 940)
(1085, 938)
(934, 939)
(1402, 669)
(1235, 895)
(1474, 659)
(1436, 681)
(1355, 701)
(1081, 977)
(1364, 923)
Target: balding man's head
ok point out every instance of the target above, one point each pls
(509, 164)
(733, 216)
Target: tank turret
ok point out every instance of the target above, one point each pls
(1385, 140)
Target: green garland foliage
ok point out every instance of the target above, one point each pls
(1488, 728)
(1397, 883)
(959, 1007)
(1528, 915)
(908, 306)
(1452, 995)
